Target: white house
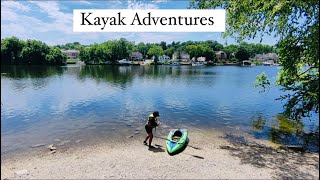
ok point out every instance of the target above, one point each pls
(71, 54)
(267, 57)
(136, 56)
(184, 56)
(221, 55)
(163, 58)
(201, 59)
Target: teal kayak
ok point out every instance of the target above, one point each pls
(177, 140)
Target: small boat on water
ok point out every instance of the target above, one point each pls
(247, 63)
(198, 64)
(124, 62)
(175, 64)
(177, 140)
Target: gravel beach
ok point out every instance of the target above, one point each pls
(211, 154)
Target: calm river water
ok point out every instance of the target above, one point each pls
(43, 104)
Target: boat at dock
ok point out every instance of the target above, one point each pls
(247, 63)
(175, 64)
(197, 64)
(125, 62)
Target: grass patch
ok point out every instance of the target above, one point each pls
(72, 60)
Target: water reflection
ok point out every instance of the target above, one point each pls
(36, 74)
(119, 76)
(125, 75)
(286, 131)
(31, 71)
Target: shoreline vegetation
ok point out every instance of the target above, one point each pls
(33, 52)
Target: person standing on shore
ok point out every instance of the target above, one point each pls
(152, 122)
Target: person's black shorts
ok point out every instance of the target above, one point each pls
(148, 129)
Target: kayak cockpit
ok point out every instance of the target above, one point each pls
(176, 136)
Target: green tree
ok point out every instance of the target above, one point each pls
(242, 54)
(200, 49)
(11, 50)
(156, 51)
(35, 52)
(163, 45)
(231, 50)
(142, 48)
(214, 45)
(169, 51)
(84, 54)
(56, 57)
(207, 52)
(193, 50)
(296, 23)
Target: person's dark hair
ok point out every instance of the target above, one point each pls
(156, 113)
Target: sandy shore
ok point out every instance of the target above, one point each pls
(211, 155)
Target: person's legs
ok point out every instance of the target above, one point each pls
(150, 138)
(149, 130)
(145, 141)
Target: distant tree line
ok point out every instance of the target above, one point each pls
(15, 51)
(120, 49)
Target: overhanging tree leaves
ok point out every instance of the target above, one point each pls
(296, 23)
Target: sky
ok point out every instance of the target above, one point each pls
(52, 22)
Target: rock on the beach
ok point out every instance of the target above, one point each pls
(131, 136)
(38, 145)
(293, 147)
(21, 172)
(77, 141)
(137, 132)
(52, 152)
(51, 147)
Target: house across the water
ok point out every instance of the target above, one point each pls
(267, 59)
(136, 56)
(71, 54)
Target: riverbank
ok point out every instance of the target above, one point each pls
(211, 155)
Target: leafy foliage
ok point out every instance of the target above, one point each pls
(107, 51)
(296, 23)
(11, 50)
(242, 54)
(262, 81)
(156, 51)
(15, 51)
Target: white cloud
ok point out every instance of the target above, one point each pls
(84, 2)
(53, 10)
(142, 5)
(115, 4)
(14, 24)
(14, 4)
(62, 22)
(157, 37)
(17, 30)
(7, 14)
